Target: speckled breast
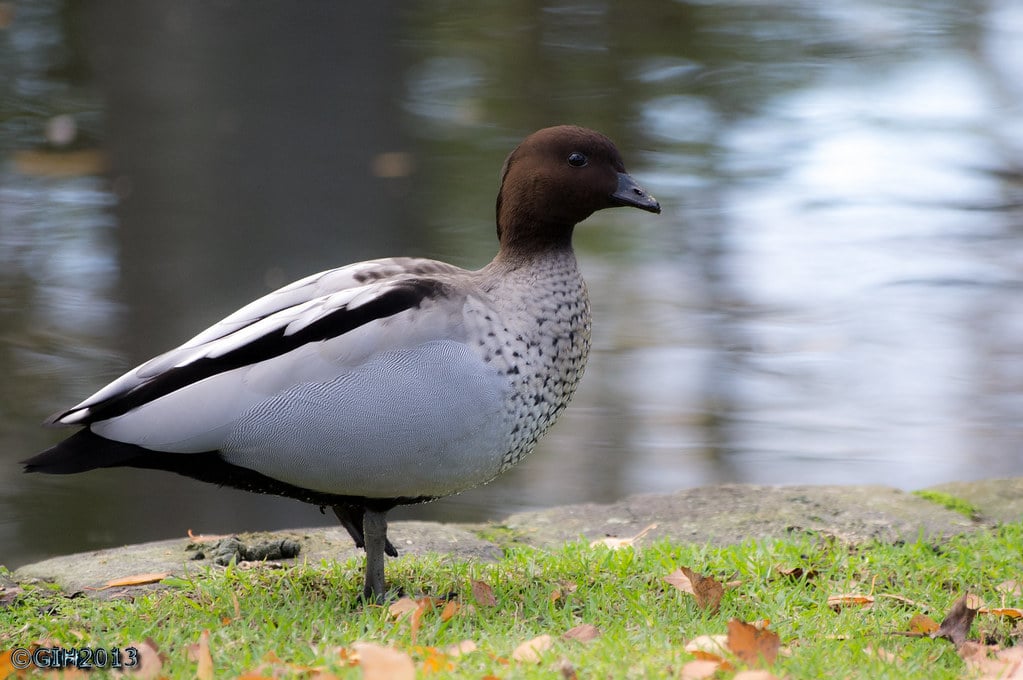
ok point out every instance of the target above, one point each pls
(540, 339)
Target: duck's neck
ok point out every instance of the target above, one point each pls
(528, 242)
(533, 263)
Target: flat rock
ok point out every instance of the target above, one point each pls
(732, 513)
(89, 572)
(725, 514)
(999, 500)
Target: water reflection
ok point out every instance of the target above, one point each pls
(832, 294)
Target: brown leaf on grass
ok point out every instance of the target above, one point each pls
(836, 602)
(6, 663)
(754, 675)
(8, 596)
(699, 669)
(402, 606)
(712, 649)
(956, 625)
(384, 663)
(1007, 612)
(424, 605)
(617, 543)
(463, 647)
(531, 650)
(147, 658)
(200, 653)
(796, 573)
(133, 580)
(754, 646)
(922, 624)
(417, 608)
(992, 663)
(451, 607)
(483, 594)
(584, 632)
(433, 660)
(705, 589)
(709, 648)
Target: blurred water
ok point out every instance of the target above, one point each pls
(832, 295)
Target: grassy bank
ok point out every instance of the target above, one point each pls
(625, 610)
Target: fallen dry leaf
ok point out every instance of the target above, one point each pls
(617, 543)
(584, 632)
(530, 650)
(1007, 612)
(754, 646)
(451, 607)
(6, 665)
(149, 661)
(384, 663)
(699, 669)
(796, 573)
(200, 653)
(956, 625)
(992, 663)
(836, 602)
(402, 606)
(433, 660)
(424, 605)
(463, 647)
(922, 624)
(707, 646)
(8, 596)
(705, 589)
(134, 580)
(483, 594)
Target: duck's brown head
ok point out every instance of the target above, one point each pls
(556, 178)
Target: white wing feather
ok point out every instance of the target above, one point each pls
(294, 306)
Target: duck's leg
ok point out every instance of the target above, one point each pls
(374, 529)
(351, 518)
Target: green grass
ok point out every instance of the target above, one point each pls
(950, 502)
(304, 615)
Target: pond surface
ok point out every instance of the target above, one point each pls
(833, 294)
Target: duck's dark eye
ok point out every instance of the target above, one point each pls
(576, 159)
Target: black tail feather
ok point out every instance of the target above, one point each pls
(86, 450)
(81, 452)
